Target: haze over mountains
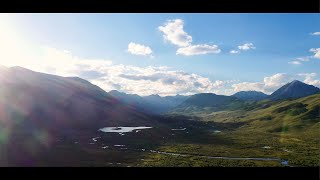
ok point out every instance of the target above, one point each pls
(157, 104)
(153, 103)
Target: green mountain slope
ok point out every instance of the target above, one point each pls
(272, 116)
(286, 129)
(207, 103)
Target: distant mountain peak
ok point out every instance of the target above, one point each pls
(250, 95)
(296, 82)
(207, 100)
(294, 89)
(251, 91)
(202, 94)
(114, 91)
(154, 96)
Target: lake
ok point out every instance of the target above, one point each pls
(123, 129)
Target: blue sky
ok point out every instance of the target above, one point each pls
(267, 45)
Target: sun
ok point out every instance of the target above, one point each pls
(12, 48)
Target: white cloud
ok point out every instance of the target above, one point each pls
(272, 83)
(269, 84)
(198, 49)
(246, 46)
(315, 33)
(275, 81)
(234, 52)
(248, 86)
(316, 52)
(295, 62)
(299, 60)
(173, 32)
(155, 80)
(306, 58)
(309, 79)
(138, 49)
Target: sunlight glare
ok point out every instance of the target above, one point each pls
(13, 50)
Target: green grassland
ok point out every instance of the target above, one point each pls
(291, 128)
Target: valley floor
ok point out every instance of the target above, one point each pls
(183, 143)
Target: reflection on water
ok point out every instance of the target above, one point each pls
(122, 129)
(182, 129)
(266, 147)
(95, 139)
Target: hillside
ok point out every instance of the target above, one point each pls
(287, 129)
(207, 102)
(250, 95)
(291, 115)
(288, 115)
(56, 102)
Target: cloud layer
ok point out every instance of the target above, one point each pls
(269, 84)
(130, 79)
(309, 79)
(272, 83)
(148, 80)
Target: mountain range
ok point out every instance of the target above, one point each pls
(39, 111)
(154, 104)
(65, 101)
(159, 105)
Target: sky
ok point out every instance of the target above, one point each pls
(167, 54)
